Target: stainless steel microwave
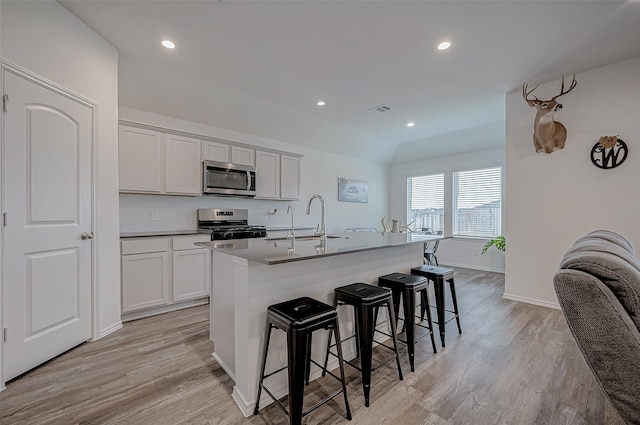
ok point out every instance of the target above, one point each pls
(221, 178)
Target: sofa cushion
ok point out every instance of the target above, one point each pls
(612, 261)
(606, 336)
(613, 238)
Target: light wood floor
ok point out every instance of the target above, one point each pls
(515, 364)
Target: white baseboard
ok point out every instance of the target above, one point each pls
(472, 267)
(111, 329)
(163, 309)
(531, 301)
(224, 366)
(247, 407)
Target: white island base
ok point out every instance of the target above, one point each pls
(243, 289)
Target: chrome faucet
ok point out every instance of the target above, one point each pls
(293, 232)
(323, 220)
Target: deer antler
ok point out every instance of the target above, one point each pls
(526, 93)
(548, 135)
(571, 87)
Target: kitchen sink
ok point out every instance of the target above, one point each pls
(303, 238)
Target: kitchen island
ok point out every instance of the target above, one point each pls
(249, 275)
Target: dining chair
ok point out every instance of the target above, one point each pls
(360, 229)
(430, 253)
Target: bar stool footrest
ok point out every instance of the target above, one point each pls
(314, 407)
(358, 368)
(278, 403)
(449, 319)
(276, 371)
(320, 403)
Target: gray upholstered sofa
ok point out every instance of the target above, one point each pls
(598, 286)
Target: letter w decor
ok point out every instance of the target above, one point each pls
(609, 152)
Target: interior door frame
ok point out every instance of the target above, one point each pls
(6, 66)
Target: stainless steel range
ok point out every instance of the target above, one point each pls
(228, 224)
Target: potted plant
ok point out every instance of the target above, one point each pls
(498, 242)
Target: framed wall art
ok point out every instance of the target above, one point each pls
(350, 190)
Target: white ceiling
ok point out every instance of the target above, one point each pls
(258, 67)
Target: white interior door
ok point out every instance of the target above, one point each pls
(48, 200)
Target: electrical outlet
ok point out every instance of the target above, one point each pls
(154, 215)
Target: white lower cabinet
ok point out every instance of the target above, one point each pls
(161, 274)
(145, 280)
(191, 274)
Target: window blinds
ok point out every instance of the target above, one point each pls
(477, 198)
(425, 202)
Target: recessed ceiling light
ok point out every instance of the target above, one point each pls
(444, 45)
(320, 103)
(168, 44)
(410, 124)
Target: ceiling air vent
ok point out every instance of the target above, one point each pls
(380, 109)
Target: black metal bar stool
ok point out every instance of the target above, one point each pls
(366, 300)
(406, 286)
(440, 275)
(299, 318)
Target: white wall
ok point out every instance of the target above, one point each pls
(463, 252)
(551, 200)
(320, 172)
(46, 39)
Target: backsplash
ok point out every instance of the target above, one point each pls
(142, 213)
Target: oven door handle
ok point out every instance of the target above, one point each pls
(248, 180)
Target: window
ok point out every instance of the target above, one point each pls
(477, 202)
(425, 203)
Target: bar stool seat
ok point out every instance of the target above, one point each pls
(406, 286)
(366, 300)
(299, 318)
(440, 275)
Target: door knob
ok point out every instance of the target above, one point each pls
(84, 236)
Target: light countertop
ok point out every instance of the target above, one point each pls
(280, 250)
(158, 233)
(285, 228)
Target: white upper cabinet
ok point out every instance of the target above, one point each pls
(289, 177)
(267, 175)
(183, 172)
(153, 162)
(277, 176)
(214, 151)
(140, 160)
(243, 156)
(221, 152)
(157, 161)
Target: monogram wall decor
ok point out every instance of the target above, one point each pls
(609, 152)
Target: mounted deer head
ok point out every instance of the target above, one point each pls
(548, 135)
